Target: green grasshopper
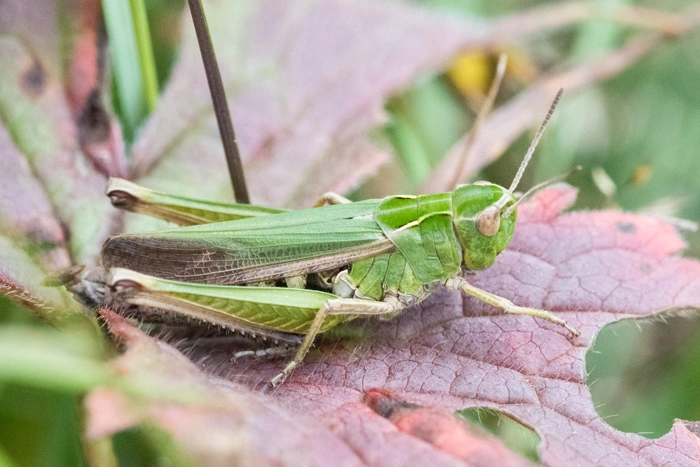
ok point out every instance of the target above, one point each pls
(377, 257)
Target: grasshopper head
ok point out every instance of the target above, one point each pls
(483, 222)
(483, 214)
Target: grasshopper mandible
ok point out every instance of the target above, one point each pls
(379, 257)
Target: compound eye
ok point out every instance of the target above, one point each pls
(488, 221)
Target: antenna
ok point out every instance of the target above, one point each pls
(535, 141)
(537, 188)
(484, 111)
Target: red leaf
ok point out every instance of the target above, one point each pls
(590, 268)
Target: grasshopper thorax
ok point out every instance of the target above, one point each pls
(483, 222)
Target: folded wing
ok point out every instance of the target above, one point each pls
(255, 249)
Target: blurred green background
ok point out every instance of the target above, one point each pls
(640, 130)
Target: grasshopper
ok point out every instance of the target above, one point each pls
(376, 257)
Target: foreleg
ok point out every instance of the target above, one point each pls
(459, 283)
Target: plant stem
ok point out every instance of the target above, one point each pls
(218, 97)
(149, 78)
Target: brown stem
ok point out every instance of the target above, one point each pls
(218, 97)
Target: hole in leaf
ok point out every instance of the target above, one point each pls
(643, 374)
(148, 445)
(512, 433)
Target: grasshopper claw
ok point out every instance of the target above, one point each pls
(279, 379)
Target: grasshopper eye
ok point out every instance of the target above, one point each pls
(488, 221)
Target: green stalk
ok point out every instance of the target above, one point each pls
(132, 61)
(144, 47)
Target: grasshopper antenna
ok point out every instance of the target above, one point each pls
(535, 141)
(218, 97)
(530, 151)
(539, 187)
(481, 116)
